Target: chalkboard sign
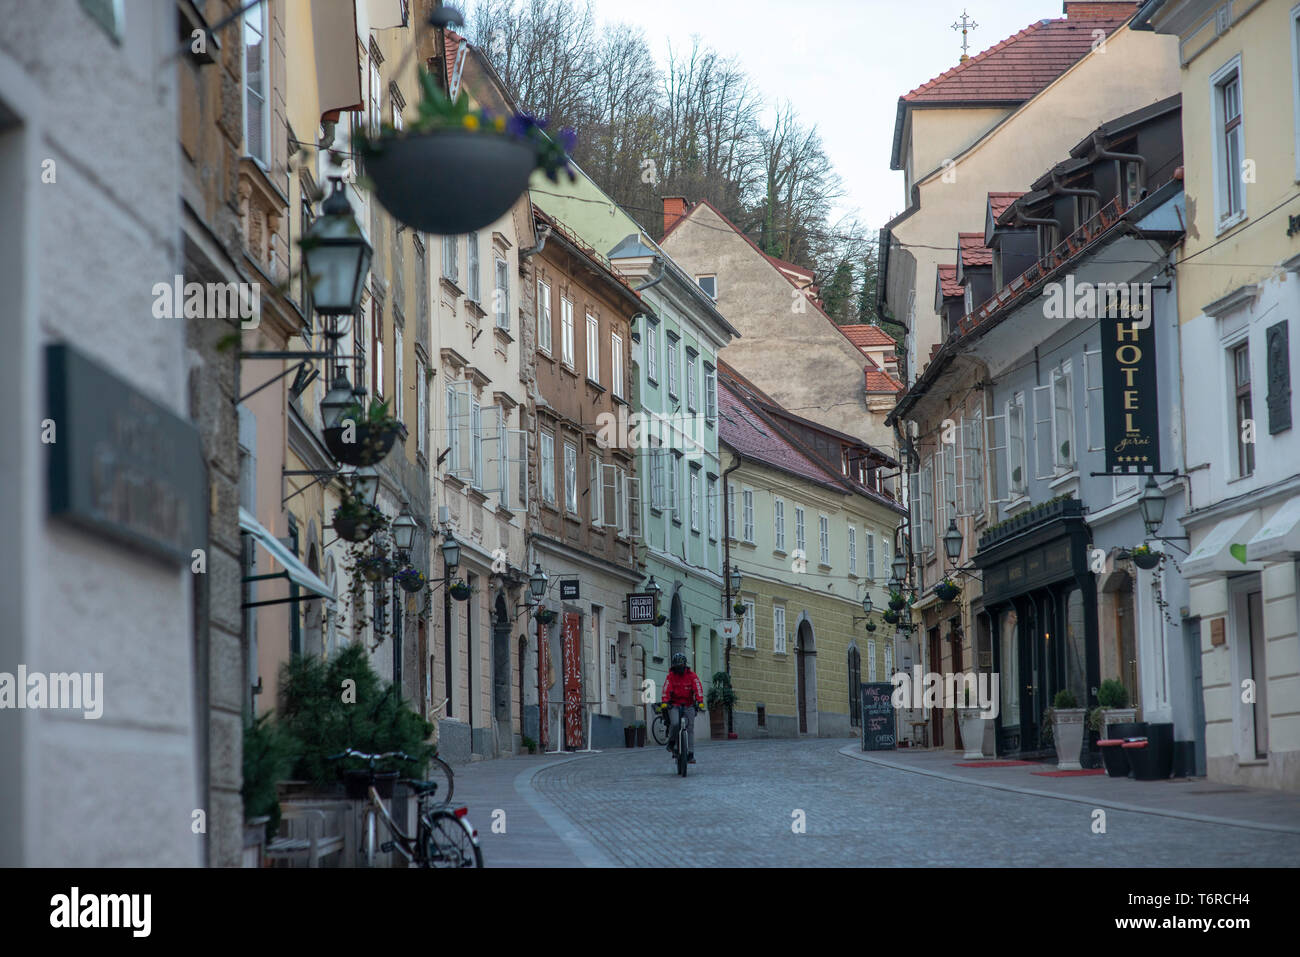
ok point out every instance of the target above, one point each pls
(877, 716)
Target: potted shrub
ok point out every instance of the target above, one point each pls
(268, 759)
(1145, 557)
(947, 590)
(1066, 722)
(410, 579)
(363, 437)
(529, 743)
(629, 736)
(460, 591)
(972, 728)
(719, 698)
(355, 521)
(480, 162)
(640, 733)
(1112, 706)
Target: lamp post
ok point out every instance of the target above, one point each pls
(952, 541)
(450, 561)
(537, 583)
(734, 581)
(336, 256)
(404, 536)
(1151, 503)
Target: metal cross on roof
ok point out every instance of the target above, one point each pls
(965, 24)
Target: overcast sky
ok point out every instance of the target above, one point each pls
(843, 63)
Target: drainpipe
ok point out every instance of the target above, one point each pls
(663, 274)
(726, 561)
(1072, 190)
(1102, 153)
(543, 234)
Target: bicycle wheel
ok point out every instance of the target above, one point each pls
(451, 842)
(440, 773)
(370, 837)
(659, 728)
(682, 753)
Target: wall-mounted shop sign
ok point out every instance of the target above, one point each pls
(641, 608)
(1033, 568)
(121, 464)
(568, 589)
(1128, 377)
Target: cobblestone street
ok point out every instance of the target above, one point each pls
(738, 807)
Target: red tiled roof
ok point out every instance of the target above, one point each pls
(1021, 65)
(973, 250)
(785, 266)
(880, 381)
(746, 432)
(948, 280)
(998, 202)
(864, 335)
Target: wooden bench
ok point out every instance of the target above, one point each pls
(310, 837)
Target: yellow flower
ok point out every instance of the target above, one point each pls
(500, 124)
(470, 121)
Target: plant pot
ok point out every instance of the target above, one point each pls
(629, 737)
(450, 181)
(640, 736)
(1116, 716)
(369, 447)
(460, 591)
(871, 626)
(972, 732)
(1067, 730)
(1146, 561)
(896, 604)
(354, 528)
(717, 724)
(412, 583)
(891, 617)
(947, 592)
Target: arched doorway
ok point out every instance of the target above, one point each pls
(855, 687)
(805, 676)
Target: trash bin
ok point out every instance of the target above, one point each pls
(1160, 739)
(1114, 758)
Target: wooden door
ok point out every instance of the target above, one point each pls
(801, 679)
(572, 681)
(936, 714)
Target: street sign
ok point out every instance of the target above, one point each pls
(728, 628)
(568, 589)
(641, 608)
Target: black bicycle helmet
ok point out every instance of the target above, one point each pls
(679, 659)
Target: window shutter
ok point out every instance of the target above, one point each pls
(515, 495)
(999, 461)
(1063, 419)
(632, 496)
(492, 449)
(1093, 406)
(609, 496)
(1044, 461)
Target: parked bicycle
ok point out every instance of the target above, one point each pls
(444, 836)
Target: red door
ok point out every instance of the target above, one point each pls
(572, 681)
(936, 714)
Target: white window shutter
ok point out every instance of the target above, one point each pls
(1093, 408)
(632, 496)
(1044, 460)
(999, 466)
(460, 432)
(609, 496)
(515, 494)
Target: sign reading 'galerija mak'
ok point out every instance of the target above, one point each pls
(1128, 375)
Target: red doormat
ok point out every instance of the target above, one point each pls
(1069, 774)
(991, 764)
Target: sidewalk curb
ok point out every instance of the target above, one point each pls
(852, 752)
(586, 852)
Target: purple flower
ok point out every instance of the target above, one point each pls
(568, 139)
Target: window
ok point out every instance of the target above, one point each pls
(377, 349)
(1017, 480)
(656, 479)
(799, 543)
(748, 622)
(671, 358)
(778, 520)
(747, 513)
(571, 477)
(711, 506)
(853, 550)
(871, 659)
(871, 555)
(710, 394)
(566, 333)
(544, 316)
(476, 443)
(620, 499)
(1229, 194)
(595, 495)
(397, 116)
(1063, 417)
(778, 629)
(889, 661)
(449, 265)
(692, 380)
(548, 468)
(453, 429)
(695, 499)
(422, 403)
(972, 468)
(710, 285)
(674, 502)
(376, 96)
(473, 286)
(824, 538)
(732, 519)
(616, 363)
(399, 399)
(1241, 398)
(948, 485)
(652, 351)
(593, 348)
(257, 115)
(501, 295)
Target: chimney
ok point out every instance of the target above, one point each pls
(1104, 9)
(675, 208)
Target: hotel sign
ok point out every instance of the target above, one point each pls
(1128, 375)
(121, 464)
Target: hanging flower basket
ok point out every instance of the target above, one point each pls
(891, 617)
(460, 591)
(373, 568)
(1145, 557)
(356, 523)
(739, 609)
(661, 620)
(947, 590)
(372, 435)
(545, 616)
(410, 580)
(455, 170)
(897, 601)
(871, 626)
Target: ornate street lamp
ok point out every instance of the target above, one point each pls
(537, 582)
(404, 528)
(336, 256)
(365, 485)
(653, 587)
(866, 603)
(451, 554)
(899, 568)
(336, 400)
(952, 542)
(736, 579)
(1151, 503)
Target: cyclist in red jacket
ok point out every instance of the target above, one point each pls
(683, 688)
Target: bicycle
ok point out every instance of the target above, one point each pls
(659, 728)
(444, 836)
(683, 749)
